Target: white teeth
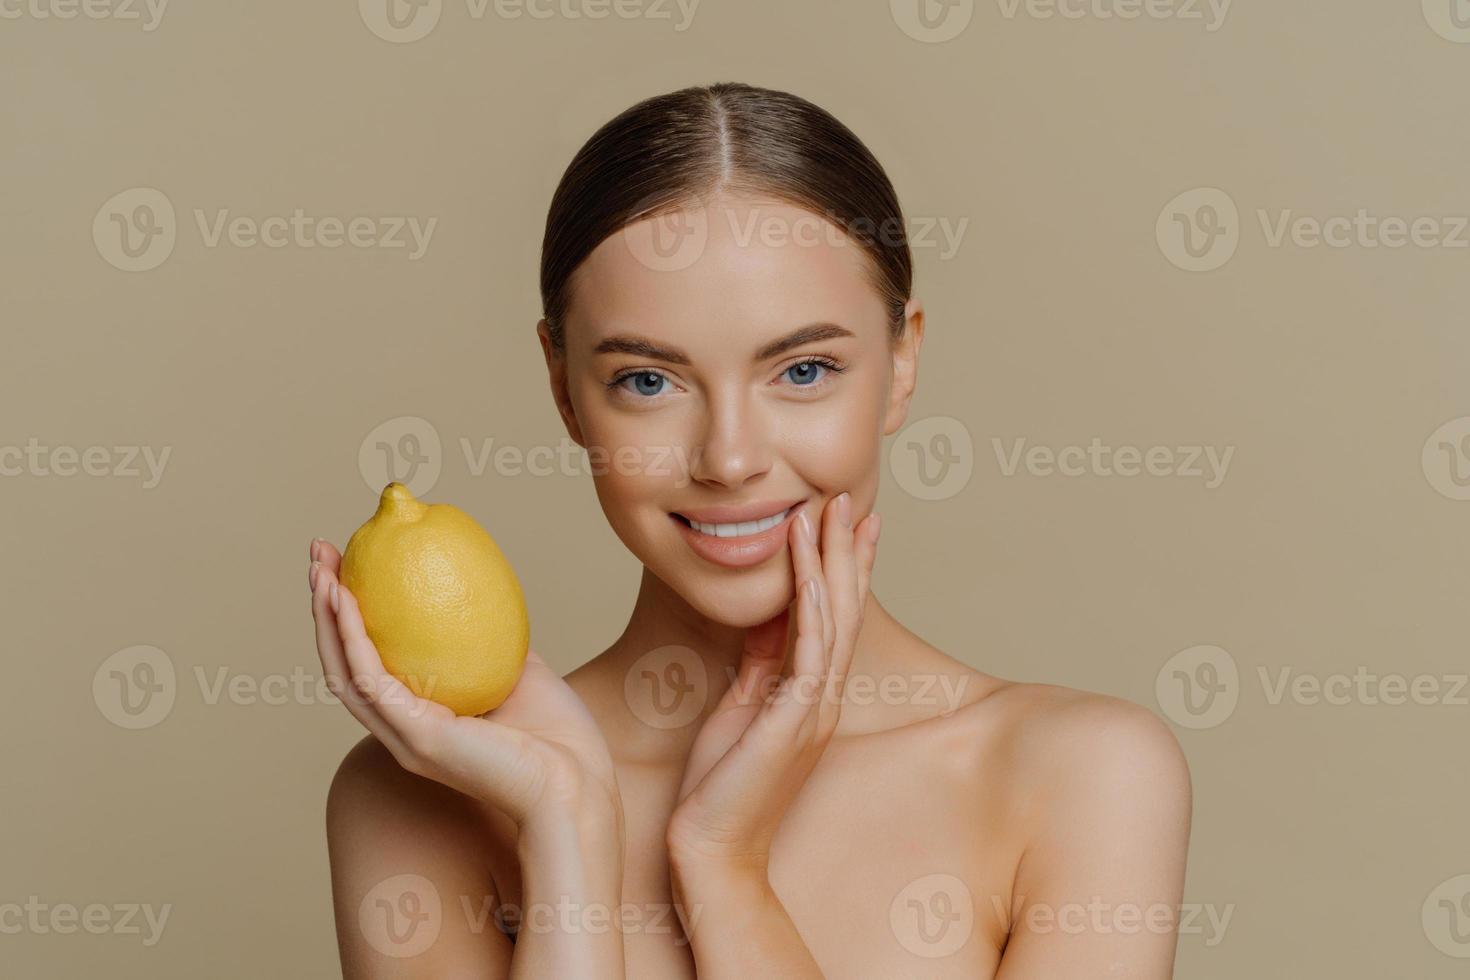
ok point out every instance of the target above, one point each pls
(741, 529)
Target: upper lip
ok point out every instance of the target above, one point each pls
(737, 513)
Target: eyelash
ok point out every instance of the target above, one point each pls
(825, 361)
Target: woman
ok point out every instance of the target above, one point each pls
(727, 304)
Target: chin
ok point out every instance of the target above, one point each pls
(740, 599)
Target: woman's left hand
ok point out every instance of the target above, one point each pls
(755, 751)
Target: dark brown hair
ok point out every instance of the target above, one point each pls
(671, 150)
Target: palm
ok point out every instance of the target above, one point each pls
(739, 705)
(541, 745)
(544, 707)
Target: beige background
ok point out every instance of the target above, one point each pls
(1334, 543)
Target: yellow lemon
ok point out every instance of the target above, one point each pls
(440, 602)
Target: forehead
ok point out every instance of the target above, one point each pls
(728, 273)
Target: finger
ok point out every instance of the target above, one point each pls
(839, 570)
(865, 549)
(336, 670)
(323, 551)
(864, 553)
(806, 563)
(803, 690)
(809, 655)
(400, 707)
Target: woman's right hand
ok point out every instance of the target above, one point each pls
(540, 752)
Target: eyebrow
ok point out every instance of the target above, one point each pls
(643, 347)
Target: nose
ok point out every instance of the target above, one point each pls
(734, 444)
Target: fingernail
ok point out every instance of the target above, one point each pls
(844, 508)
(316, 548)
(806, 525)
(812, 594)
(877, 527)
(316, 566)
(336, 605)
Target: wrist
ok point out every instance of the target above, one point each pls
(695, 869)
(737, 895)
(591, 826)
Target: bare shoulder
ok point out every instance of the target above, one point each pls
(397, 842)
(377, 812)
(370, 784)
(1064, 726)
(1070, 756)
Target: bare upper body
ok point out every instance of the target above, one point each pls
(943, 817)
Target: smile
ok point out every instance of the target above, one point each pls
(737, 537)
(740, 529)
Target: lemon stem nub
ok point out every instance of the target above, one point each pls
(400, 505)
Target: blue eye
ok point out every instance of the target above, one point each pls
(806, 373)
(646, 383)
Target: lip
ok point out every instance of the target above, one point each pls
(738, 552)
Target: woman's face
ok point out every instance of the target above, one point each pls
(723, 379)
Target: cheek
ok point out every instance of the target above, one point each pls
(636, 461)
(834, 444)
